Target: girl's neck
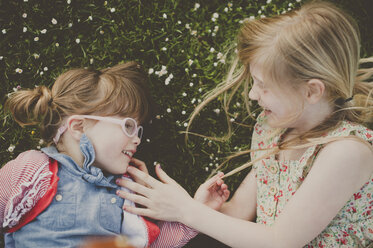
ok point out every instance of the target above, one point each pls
(71, 148)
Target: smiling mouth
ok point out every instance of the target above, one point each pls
(128, 153)
(267, 111)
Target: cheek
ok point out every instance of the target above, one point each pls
(112, 147)
(103, 144)
(279, 108)
(289, 108)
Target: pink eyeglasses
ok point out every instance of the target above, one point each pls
(129, 126)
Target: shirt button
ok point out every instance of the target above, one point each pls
(273, 169)
(113, 200)
(273, 190)
(58, 197)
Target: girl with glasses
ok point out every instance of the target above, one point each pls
(66, 192)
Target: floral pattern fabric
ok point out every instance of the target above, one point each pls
(277, 182)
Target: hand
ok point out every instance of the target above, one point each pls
(139, 164)
(163, 200)
(213, 193)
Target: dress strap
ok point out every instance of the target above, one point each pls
(345, 129)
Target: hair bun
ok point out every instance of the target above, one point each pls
(45, 95)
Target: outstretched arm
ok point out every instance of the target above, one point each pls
(212, 193)
(175, 204)
(342, 166)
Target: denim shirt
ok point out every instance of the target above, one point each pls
(85, 205)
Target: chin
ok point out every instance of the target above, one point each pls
(275, 122)
(120, 170)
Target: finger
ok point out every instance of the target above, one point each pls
(139, 175)
(139, 199)
(219, 182)
(134, 186)
(226, 194)
(139, 211)
(139, 164)
(163, 176)
(224, 186)
(223, 190)
(211, 183)
(136, 180)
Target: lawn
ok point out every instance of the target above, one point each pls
(184, 46)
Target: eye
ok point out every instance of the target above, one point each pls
(129, 125)
(260, 84)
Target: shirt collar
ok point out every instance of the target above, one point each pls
(88, 172)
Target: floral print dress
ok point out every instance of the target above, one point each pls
(277, 182)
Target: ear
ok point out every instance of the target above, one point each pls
(315, 90)
(75, 125)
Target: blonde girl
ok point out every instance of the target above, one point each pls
(65, 193)
(311, 182)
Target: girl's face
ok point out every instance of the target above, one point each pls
(279, 108)
(114, 149)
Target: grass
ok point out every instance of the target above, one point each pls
(181, 44)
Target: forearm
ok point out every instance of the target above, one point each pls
(243, 203)
(231, 231)
(228, 209)
(231, 209)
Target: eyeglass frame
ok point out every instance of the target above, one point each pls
(121, 122)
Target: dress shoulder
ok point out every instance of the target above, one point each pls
(24, 182)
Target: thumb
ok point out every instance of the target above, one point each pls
(163, 176)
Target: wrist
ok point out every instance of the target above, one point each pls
(190, 211)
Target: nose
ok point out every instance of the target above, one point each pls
(136, 140)
(253, 93)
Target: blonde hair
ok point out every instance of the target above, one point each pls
(119, 90)
(317, 41)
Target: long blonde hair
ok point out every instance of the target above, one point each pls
(119, 90)
(317, 41)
